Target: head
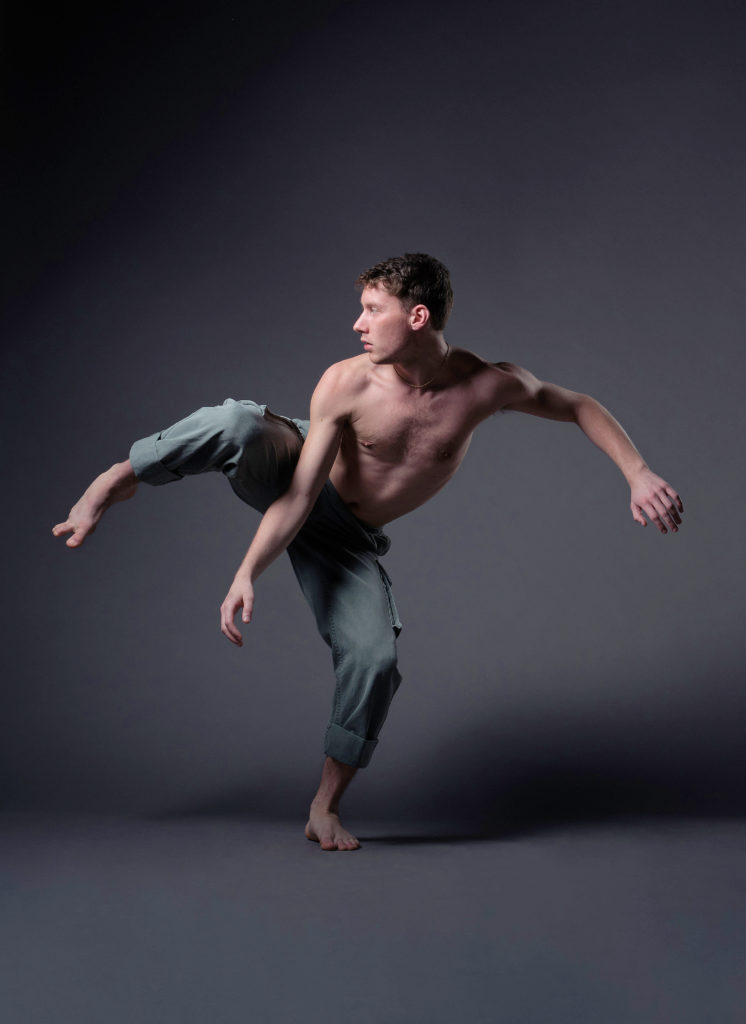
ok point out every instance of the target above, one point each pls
(415, 279)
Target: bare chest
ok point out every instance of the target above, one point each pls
(420, 430)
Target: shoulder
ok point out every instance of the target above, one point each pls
(468, 364)
(496, 385)
(516, 378)
(338, 387)
(346, 373)
(347, 376)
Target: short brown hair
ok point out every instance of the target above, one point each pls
(414, 278)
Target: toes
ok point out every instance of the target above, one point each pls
(330, 836)
(343, 843)
(78, 533)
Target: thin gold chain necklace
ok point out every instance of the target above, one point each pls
(419, 386)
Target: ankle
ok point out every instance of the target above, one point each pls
(118, 480)
(323, 805)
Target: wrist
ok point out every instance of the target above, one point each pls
(246, 573)
(632, 472)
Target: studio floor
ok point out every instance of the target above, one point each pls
(228, 919)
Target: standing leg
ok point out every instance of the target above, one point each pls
(350, 595)
(338, 572)
(323, 824)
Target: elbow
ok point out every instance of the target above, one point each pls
(579, 407)
(300, 499)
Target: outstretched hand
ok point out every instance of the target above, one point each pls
(658, 501)
(241, 595)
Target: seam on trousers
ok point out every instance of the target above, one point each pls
(387, 586)
(337, 657)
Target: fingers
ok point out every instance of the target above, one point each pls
(668, 511)
(663, 515)
(672, 513)
(228, 609)
(656, 511)
(660, 503)
(656, 499)
(227, 626)
(638, 516)
(674, 496)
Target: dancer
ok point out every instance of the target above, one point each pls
(387, 430)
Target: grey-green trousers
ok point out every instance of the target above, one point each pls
(335, 555)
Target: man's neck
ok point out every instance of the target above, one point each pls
(425, 365)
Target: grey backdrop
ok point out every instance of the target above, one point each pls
(190, 198)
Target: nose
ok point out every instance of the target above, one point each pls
(358, 325)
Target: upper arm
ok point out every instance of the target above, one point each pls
(329, 413)
(523, 392)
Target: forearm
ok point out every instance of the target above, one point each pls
(650, 495)
(607, 433)
(278, 528)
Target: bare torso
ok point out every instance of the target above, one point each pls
(400, 445)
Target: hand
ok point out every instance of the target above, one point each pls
(241, 595)
(657, 499)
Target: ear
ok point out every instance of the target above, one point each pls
(419, 316)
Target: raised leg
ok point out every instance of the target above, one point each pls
(324, 826)
(255, 449)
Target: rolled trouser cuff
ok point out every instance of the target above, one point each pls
(146, 465)
(348, 747)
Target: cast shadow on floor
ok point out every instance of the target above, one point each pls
(505, 791)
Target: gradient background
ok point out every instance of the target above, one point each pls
(194, 196)
(190, 195)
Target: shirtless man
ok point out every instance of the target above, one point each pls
(388, 428)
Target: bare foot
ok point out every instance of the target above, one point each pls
(324, 826)
(117, 484)
(327, 830)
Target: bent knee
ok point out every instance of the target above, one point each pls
(379, 661)
(241, 422)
